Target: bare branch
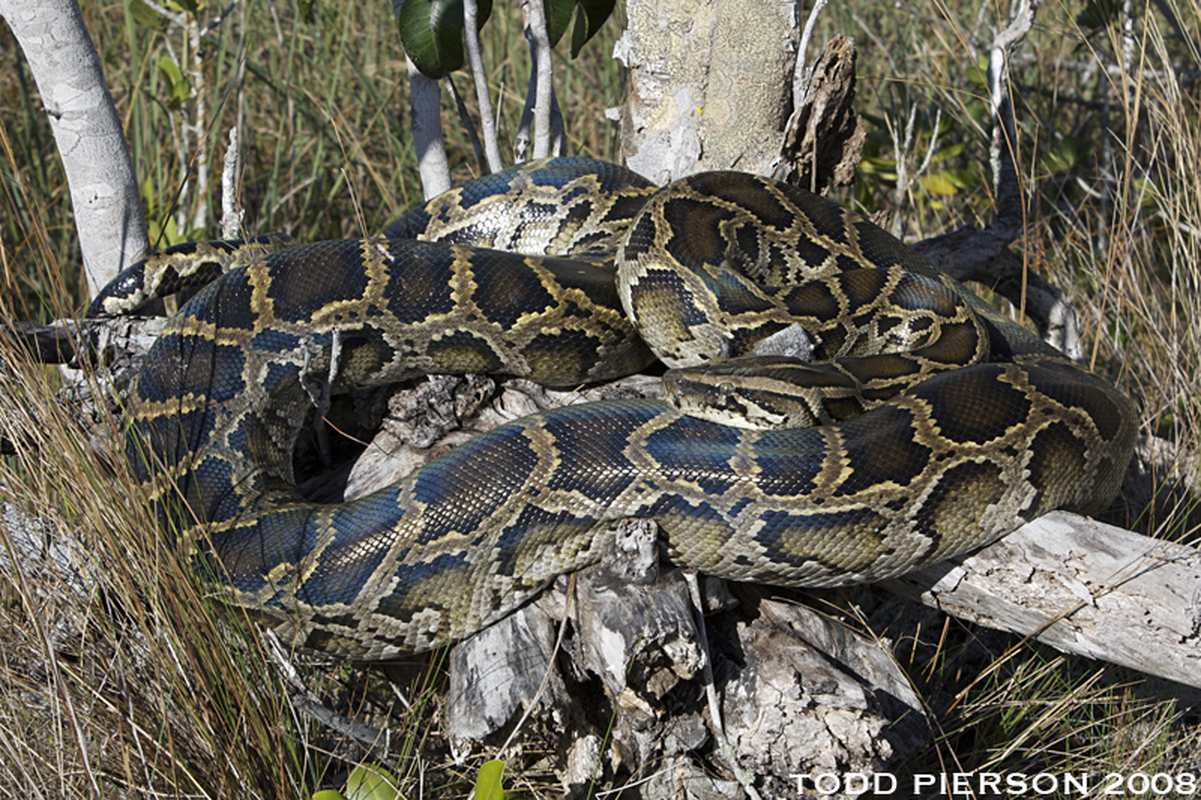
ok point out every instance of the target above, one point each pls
(425, 103)
(1010, 197)
(905, 181)
(801, 76)
(521, 142)
(543, 89)
(231, 213)
(198, 123)
(487, 120)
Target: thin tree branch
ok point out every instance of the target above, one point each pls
(487, 120)
(801, 74)
(558, 134)
(536, 35)
(231, 213)
(1008, 186)
(425, 104)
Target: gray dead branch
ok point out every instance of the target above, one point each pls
(1084, 588)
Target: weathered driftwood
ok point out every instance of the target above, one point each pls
(1082, 587)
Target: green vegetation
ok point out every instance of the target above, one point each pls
(159, 695)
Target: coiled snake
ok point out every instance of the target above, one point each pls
(972, 426)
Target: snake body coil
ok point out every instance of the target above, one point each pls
(972, 426)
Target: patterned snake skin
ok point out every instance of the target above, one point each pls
(944, 426)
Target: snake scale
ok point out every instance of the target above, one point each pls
(940, 424)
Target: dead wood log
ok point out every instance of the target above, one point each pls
(1082, 587)
(802, 694)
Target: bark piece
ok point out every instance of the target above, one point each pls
(812, 696)
(499, 673)
(823, 140)
(625, 605)
(417, 427)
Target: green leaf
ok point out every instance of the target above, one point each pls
(588, 20)
(939, 183)
(884, 169)
(483, 10)
(1063, 155)
(432, 33)
(488, 782)
(329, 794)
(145, 16)
(949, 151)
(165, 234)
(371, 782)
(176, 83)
(558, 18)
(307, 9)
(186, 6)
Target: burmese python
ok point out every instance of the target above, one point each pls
(973, 426)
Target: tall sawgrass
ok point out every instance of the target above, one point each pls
(117, 676)
(158, 693)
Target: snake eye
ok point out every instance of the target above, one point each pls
(724, 390)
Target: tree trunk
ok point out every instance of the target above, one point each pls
(87, 130)
(710, 85)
